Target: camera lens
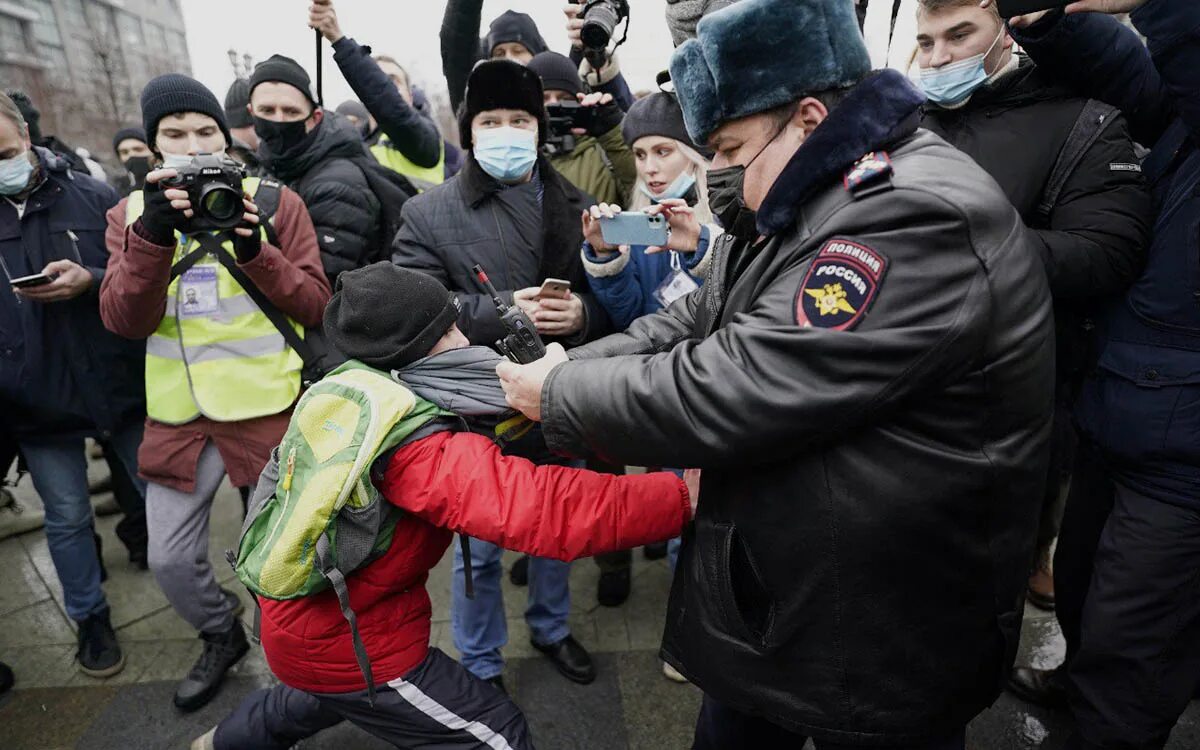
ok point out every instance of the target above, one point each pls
(598, 25)
(221, 203)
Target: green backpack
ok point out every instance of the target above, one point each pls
(315, 516)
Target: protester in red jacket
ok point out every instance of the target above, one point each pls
(447, 482)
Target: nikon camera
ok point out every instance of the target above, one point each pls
(214, 186)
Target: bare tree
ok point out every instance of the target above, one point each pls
(110, 75)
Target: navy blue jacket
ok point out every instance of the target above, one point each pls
(61, 372)
(1142, 404)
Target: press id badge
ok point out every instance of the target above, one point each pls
(197, 292)
(677, 284)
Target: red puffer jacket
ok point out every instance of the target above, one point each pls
(459, 482)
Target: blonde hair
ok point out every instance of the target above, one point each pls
(699, 169)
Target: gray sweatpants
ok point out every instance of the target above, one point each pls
(177, 523)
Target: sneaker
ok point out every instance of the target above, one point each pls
(672, 674)
(205, 741)
(519, 575)
(221, 651)
(99, 654)
(613, 589)
(16, 518)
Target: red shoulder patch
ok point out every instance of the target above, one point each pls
(840, 285)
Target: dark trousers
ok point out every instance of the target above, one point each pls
(1135, 651)
(131, 499)
(438, 705)
(720, 727)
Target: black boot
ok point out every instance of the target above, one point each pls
(1041, 687)
(571, 659)
(6, 678)
(498, 683)
(519, 575)
(656, 551)
(613, 588)
(99, 654)
(221, 651)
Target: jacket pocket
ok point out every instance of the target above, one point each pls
(743, 600)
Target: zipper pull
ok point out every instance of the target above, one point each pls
(287, 477)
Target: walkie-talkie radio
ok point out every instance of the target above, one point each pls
(522, 343)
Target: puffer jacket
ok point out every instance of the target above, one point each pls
(603, 167)
(327, 172)
(61, 372)
(1142, 403)
(458, 482)
(868, 391)
(469, 220)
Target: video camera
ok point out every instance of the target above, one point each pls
(214, 187)
(600, 19)
(563, 117)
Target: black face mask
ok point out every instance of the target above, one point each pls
(280, 137)
(727, 201)
(138, 167)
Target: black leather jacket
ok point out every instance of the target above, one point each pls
(854, 460)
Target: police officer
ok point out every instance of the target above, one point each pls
(866, 380)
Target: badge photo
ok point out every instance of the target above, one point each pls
(840, 285)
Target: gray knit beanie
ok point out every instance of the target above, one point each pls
(683, 15)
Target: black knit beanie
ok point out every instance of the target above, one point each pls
(173, 93)
(386, 316)
(237, 100)
(135, 132)
(501, 84)
(656, 114)
(557, 72)
(282, 69)
(511, 26)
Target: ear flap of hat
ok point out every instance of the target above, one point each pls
(696, 90)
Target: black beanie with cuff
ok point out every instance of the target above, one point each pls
(174, 93)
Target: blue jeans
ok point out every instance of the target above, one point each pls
(58, 468)
(478, 624)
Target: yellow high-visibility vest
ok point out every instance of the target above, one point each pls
(223, 358)
(422, 178)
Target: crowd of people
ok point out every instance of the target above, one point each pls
(903, 353)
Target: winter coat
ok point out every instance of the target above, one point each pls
(61, 372)
(328, 175)
(1094, 239)
(602, 167)
(414, 136)
(868, 391)
(458, 482)
(625, 283)
(1142, 404)
(473, 219)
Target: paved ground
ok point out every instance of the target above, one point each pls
(629, 706)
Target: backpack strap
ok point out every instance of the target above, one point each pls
(337, 580)
(1091, 123)
(187, 262)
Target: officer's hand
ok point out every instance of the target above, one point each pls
(527, 300)
(1105, 6)
(523, 383)
(71, 281)
(560, 317)
(685, 230)
(323, 18)
(591, 226)
(691, 477)
(166, 210)
(574, 24)
(607, 116)
(248, 240)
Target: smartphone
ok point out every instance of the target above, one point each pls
(635, 228)
(555, 289)
(1010, 8)
(37, 279)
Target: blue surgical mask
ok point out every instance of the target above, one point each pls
(951, 85)
(15, 173)
(678, 188)
(505, 153)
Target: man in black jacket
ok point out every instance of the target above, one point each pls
(1092, 224)
(512, 213)
(321, 156)
(866, 380)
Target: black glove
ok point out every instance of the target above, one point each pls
(247, 248)
(159, 220)
(605, 118)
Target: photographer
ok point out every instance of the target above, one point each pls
(220, 377)
(411, 144)
(510, 211)
(62, 376)
(594, 158)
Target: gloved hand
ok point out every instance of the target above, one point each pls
(159, 219)
(608, 116)
(247, 239)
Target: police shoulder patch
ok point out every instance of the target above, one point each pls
(840, 285)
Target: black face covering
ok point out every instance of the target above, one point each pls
(280, 137)
(138, 167)
(726, 197)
